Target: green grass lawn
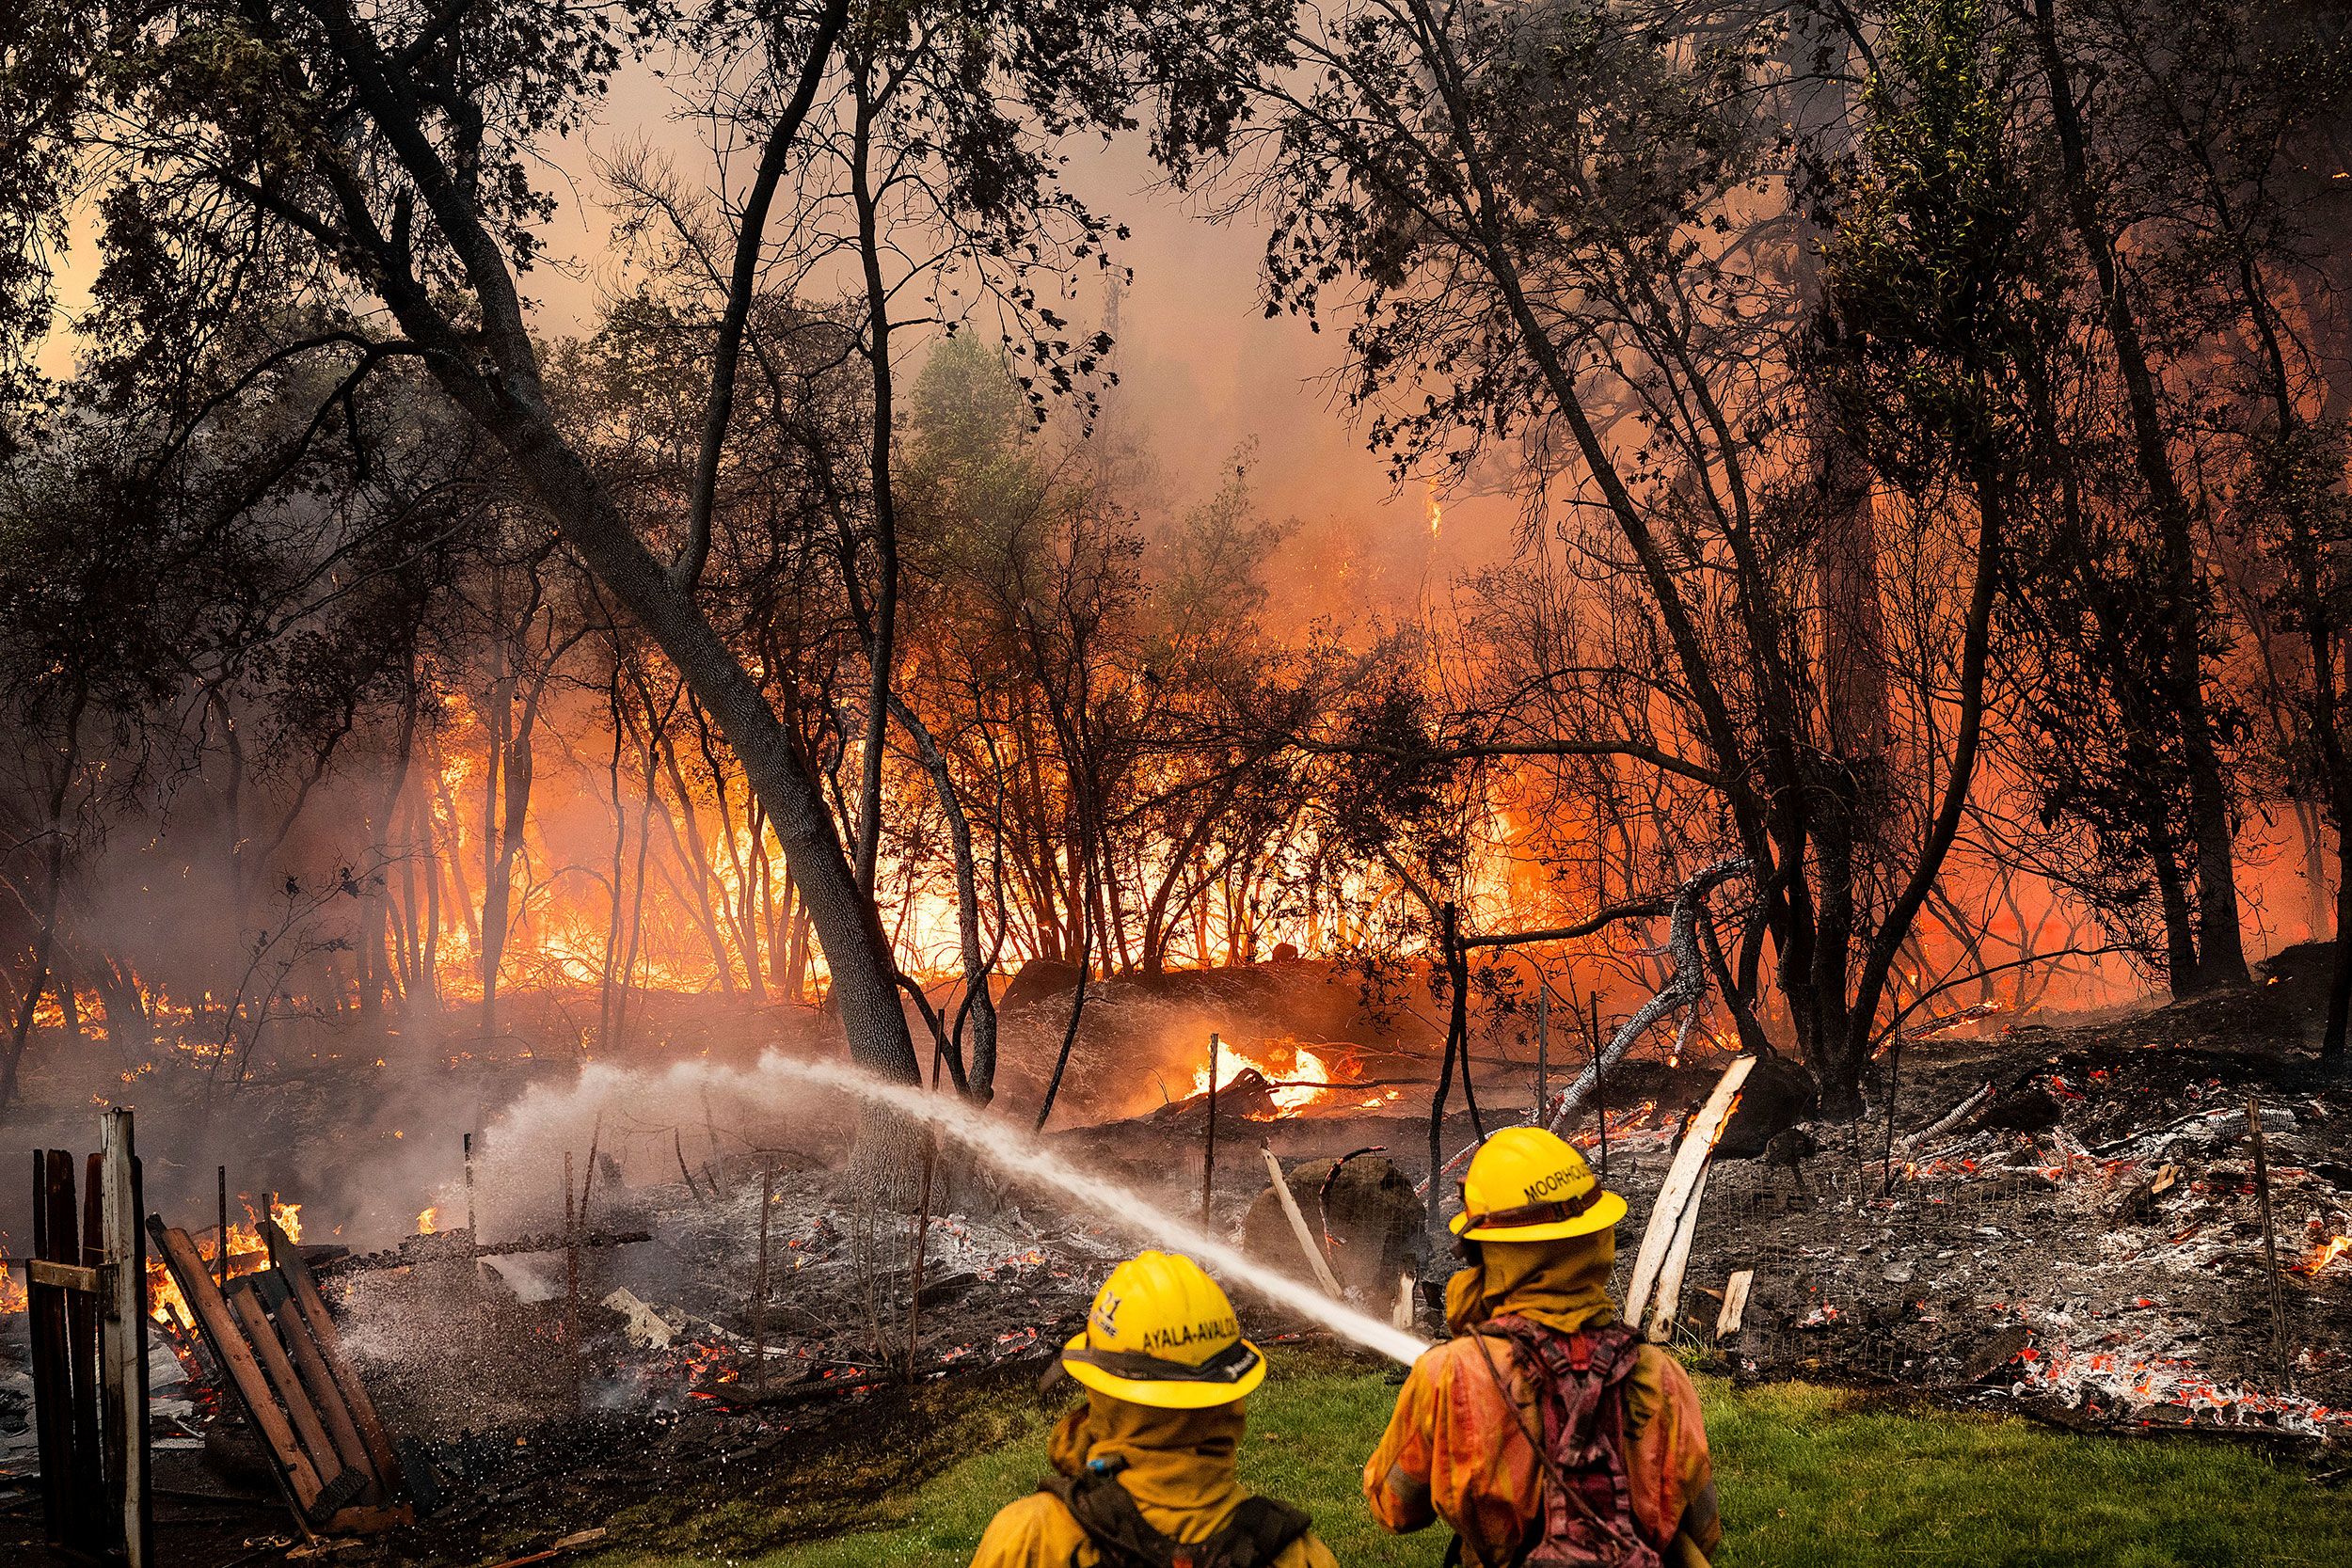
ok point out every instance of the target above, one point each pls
(1808, 1476)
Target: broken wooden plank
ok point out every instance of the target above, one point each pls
(263, 1338)
(234, 1356)
(1682, 1179)
(330, 1344)
(123, 1338)
(1667, 1299)
(88, 1478)
(62, 1276)
(1298, 1226)
(318, 1380)
(1735, 1310)
(52, 1372)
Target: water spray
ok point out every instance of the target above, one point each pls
(1008, 1147)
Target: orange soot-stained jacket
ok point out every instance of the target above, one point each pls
(1455, 1451)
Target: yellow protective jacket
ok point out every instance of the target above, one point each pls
(1180, 1467)
(1455, 1451)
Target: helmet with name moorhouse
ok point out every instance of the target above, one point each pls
(1526, 1185)
(1162, 1333)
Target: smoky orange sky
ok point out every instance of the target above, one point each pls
(1202, 368)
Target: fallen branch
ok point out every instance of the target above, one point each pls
(569, 1542)
(1950, 1118)
(1685, 987)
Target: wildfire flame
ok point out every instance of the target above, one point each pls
(429, 1221)
(2325, 1254)
(14, 1296)
(1302, 1076)
(248, 1253)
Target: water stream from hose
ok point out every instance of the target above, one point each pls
(1010, 1149)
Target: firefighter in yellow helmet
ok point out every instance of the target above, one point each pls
(1545, 1432)
(1144, 1471)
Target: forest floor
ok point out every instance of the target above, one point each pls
(1912, 1298)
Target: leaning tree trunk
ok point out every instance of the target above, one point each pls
(492, 371)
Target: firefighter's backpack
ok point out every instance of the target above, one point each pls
(1254, 1535)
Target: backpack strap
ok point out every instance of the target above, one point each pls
(1110, 1519)
(1579, 1387)
(1257, 1531)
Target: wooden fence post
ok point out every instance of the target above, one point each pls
(123, 1337)
(88, 1322)
(1208, 1154)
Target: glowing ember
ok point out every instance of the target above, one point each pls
(14, 1297)
(247, 1254)
(703, 1366)
(429, 1222)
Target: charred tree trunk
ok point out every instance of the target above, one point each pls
(1848, 1055)
(490, 940)
(605, 994)
(2221, 956)
(376, 974)
(2172, 904)
(686, 844)
(881, 621)
(743, 908)
(978, 1006)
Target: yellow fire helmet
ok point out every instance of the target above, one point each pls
(1162, 1333)
(1526, 1185)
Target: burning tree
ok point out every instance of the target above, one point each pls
(384, 159)
(1546, 215)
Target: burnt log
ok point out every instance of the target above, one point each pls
(1777, 1096)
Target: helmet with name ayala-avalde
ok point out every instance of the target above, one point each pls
(1162, 1333)
(1524, 1184)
